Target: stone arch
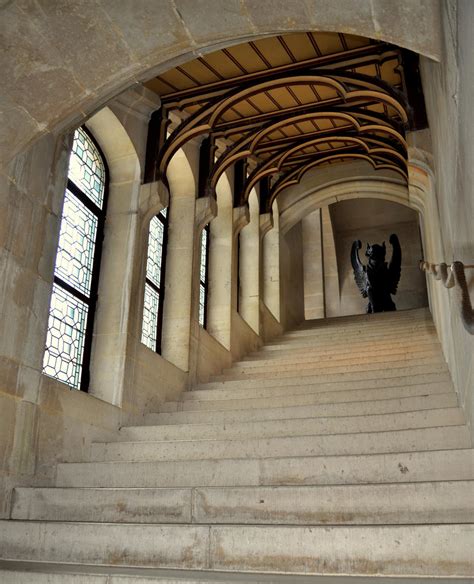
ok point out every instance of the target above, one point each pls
(358, 182)
(348, 181)
(136, 44)
(115, 320)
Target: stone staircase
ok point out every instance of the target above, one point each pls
(338, 449)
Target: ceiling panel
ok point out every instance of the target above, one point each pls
(203, 83)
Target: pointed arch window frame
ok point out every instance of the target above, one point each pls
(86, 298)
(156, 286)
(205, 241)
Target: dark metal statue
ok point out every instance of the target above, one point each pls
(377, 280)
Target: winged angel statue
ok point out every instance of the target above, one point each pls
(377, 280)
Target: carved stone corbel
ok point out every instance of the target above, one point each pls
(138, 101)
(153, 198)
(205, 211)
(240, 218)
(266, 223)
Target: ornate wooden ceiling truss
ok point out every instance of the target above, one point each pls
(286, 105)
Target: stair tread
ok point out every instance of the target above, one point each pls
(390, 550)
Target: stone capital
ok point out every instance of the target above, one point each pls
(266, 223)
(240, 218)
(205, 211)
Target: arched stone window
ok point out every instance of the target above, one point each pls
(204, 276)
(154, 281)
(76, 272)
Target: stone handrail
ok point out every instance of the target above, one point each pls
(454, 277)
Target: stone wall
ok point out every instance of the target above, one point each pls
(449, 87)
(291, 274)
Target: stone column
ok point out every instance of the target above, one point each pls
(313, 266)
(271, 266)
(177, 310)
(331, 275)
(220, 268)
(250, 267)
(240, 218)
(113, 325)
(178, 285)
(205, 211)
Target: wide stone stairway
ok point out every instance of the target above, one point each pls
(338, 448)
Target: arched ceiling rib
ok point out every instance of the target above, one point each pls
(287, 104)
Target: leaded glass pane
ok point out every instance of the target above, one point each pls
(202, 304)
(202, 274)
(155, 251)
(86, 168)
(75, 257)
(65, 338)
(150, 317)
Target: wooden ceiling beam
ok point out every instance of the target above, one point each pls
(340, 59)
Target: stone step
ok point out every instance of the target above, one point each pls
(308, 354)
(433, 438)
(403, 367)
(378, 370)
(360, 331)
(411, 503)
(406, 467)
(342, 344)
(367, 321)
(421, 315)
(16, 572)
(365, 408)
(354, 334)
(325, 397)
(391, 377)
(414, 550)
(295, 426)
(328, 362)
(435, 381)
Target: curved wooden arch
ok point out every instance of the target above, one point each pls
(207, 117)
(275, 84)
(276, 162)
(240, 150)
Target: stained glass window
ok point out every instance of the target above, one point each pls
(75, 286)
(86, 168)
(203, 276)
(155, 274)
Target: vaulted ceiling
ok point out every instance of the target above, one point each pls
(286, 104)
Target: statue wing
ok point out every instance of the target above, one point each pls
(395, 267)
(360, 271)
